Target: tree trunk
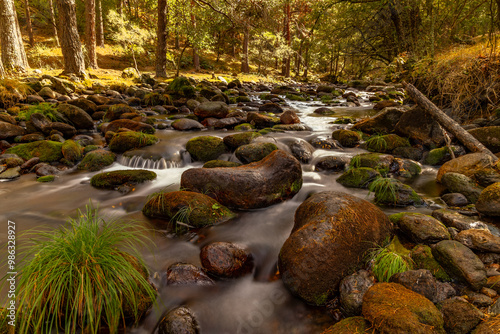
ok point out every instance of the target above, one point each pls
(28, 23)
(13, 54)
(286, 61)
(446, 122)
(245, 67)
(398, 26)
(179, 61)
(161, 36)
(53, 23)
(99, 24)
(2, 70)
(196, 59)
(90, 35)
(119, 6)
(306, 62)
(70, 40)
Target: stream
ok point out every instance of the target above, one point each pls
(255, 303)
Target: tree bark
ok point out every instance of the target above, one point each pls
(286, 61)
(99, 24)
(90, 34)
(2, 70)
(119, 6)
(13, 54)
(70, 40)
(53, 22)
(245, 67)
(28, 22)
(161, 42)
(446, 122)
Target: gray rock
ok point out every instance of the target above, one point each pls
(185, 124)
(459, 183)
(421, 228)
(352, 289)
(455, 199)
(301, 150)
(423, 282)
(459, 316)
(10, 173)
(179, 321)
(8, 130)
(183, 274)
(212, 109)
(331, 163)
(460, 222)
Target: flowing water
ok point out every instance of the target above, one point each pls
(257, 303)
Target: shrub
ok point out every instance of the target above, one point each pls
(88, 275)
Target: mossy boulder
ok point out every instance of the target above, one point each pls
(86, 105)
(76, 116)
(129, 124)
(254, 152)
(383, 122)
(128, 140)
(244, 127)
(45, 179)
(46, 150)
(381, 162)
(459, 183)
(212, 109)
(331, 234)
(72, 151)
(395, 193)
(220, 163)
(181, 86)
(407, 168)
(205, 148)
(97, 160)
(394, 309)
(239, 139)
(468, 164)
(116, 110)
(386, 143)
(420, 228)
(423, 259)
(193, 209)
(114, 179)
(488, 202)
(352, 325)
(459, 315)
(271, 180)
(156, 99)
(421, 127)
(346, 138)
(439, 156)
(358, 177)
(489, 136)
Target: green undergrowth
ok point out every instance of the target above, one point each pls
(46, 109)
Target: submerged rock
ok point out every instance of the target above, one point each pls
(331, 233)
(179, 321)
(274, 179)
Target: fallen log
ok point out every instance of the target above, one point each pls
(447, 122)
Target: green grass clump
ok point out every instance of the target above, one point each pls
(44, 108)
(389, 260)
(386, 189)
(376, 144)
(86, 276)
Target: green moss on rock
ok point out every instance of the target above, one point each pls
(72, 151)
(423, 259)
(254, 152)
(239, 139)
(111, 180)
(346, 138)
(220, 163)
(46, 150)
(205, 148)
(358, 177)
(386, 143)
(124, 141)
(97, 159)
(47, 178)
(352, 325)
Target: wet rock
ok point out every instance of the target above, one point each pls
(461, 263)
(346, 138)
(30, 163)
(185, 124)
(97, 160)
(129, 124)
(488, 202)
(454, 219)
(459, 316)
(378, 161)
(205, 148)
(182, 274)
(352, 325)
(324, 111)
(262, 121)
(489, 326)
(326, 144)
(489, 136)
(385, 104)
(190, 209)
(274, 179)
(66, 130)
(227, 123)
(423, 259)
(331, 163)
(31, 138)
(407, 168)
(415, 313)
(116, 110)
(254, 152)
(439, 156)
(212, 109)
(4, 117)
(44, 169)
(386, 143)
(72, 151)
(34, 99)
(423, 282)
(392, 192)
(383, 122)
(420, 228)
(179, 321)
(487, 177)
(117, 178)
(478, 299)
(220, 163)
(289, 117)
(86, 105)
(239, 139)
(272, 108)
(47, 151)
(128, 140)
(301, 149)
(358, 177)
(323, 247)
(352, 289)
(292, 127)
(10, 160)
(413, 153)
(467, 165)
(455, 199)
(78, 118)
(226, 260)
(459, 183)
(480, 240)
(10, 173)
(8, 130)
(421, 127)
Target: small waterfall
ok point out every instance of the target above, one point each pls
(137, 161)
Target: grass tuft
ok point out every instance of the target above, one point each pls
(86, 276)
(390, 260)
(385, 188)
(44, 108)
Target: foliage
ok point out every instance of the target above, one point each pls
(376, 144)
(389, 260)
(87, 274)
(385, 188)
(47, 109)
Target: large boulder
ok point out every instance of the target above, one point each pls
(96, 160)
(116, 110)
(212, 109)
(128, 140)
(468, 164)
(274, 179)
(459, 183)
(346, 138)
(383, 122)
(205, 148)
(420, 228)
(8, 130)
(394, 309)
(419, 125)
(262, 121)
(488, 202)
(460, 262)
(77, 116)
(47, 151)
(489, 136)
(332, 232)
(460, 316)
